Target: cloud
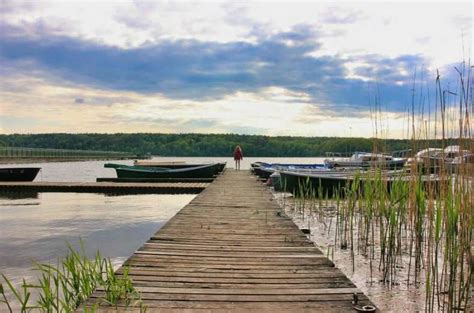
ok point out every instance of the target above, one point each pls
(79, 100)
(195, 70)
(337, 15)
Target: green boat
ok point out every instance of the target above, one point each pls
(334, 183)
(204, 171)
(329, 185)
(115, 165)
(164, 166)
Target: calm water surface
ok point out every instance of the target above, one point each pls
(36, 227)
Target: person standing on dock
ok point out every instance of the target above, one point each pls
(238, 155)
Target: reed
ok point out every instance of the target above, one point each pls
(418, 227)
(68, 284)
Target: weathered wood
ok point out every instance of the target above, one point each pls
(105, 187)
(232, 249)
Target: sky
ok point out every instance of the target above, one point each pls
(270, 68)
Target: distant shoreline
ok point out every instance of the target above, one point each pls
(218, 145)
(52, 160)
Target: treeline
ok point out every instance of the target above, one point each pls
(208, 144)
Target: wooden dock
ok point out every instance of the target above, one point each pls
(232, 249)
(105, 187)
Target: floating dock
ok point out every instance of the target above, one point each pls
(105, 187)
(233, 249)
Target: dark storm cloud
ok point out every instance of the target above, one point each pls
(196, 70)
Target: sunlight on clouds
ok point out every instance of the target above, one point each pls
(351, 66)
(272, 111)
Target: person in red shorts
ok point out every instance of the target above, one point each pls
(238, 155)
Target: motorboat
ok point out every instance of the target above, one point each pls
(367, 160)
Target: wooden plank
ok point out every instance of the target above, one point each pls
(104, 187)
(213, 306)
(228, 255)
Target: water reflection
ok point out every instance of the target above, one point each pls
(15, 195)
(37, 227)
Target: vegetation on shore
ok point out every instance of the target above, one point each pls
(218, 145)
(67, 285)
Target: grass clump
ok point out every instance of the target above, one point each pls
(67, 285)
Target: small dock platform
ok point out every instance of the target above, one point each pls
(106, 187)
(233, 249)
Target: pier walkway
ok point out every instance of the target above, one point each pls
(232, 249)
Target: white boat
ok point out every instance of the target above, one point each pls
(463, 164)
(366, 160)
(431, 160)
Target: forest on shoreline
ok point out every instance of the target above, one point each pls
(211, 144)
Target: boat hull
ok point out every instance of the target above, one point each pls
(265, 169)
(330, 185)
(207, 171)
(389, 165)
(275, 182)
(322, 185)
(263, 172)
(165, 166)
(19, 174)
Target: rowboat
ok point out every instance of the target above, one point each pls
(19, 173)
(278, 184)
(163, 165)
(203, 171)
(336, 183)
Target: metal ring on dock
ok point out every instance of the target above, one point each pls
(365, 308)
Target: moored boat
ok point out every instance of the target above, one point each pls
(329, 185)
(219, 166)
(19, 173)
(462, 165)
(204, 171)
(367, 160)
(165, 164)
(336, 183)
(435, 160)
